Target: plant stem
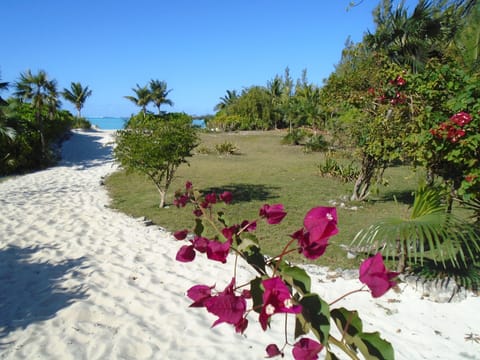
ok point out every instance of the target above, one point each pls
(343, 347)
(347, 294)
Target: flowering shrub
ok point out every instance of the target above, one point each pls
(279, 287)
(453, 152)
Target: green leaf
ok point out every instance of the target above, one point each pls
(315, 316)
(257, 293)
(348, 323)
(373, 347)
(296, 276)
(301, 326)
(198, 230)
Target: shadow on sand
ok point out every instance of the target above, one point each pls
(32, 291)
(86, 149)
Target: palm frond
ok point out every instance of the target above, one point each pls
(429, 233)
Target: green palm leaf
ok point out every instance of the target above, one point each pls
(429, 233)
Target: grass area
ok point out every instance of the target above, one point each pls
(264, 171)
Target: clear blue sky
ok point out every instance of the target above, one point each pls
(200, 48)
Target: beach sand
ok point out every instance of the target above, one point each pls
(79, 280)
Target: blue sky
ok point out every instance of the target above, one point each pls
(200, 48)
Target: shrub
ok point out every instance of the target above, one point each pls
(294, 137)
(332, 168)
(226, 148)
(81, 123)
(315, 143)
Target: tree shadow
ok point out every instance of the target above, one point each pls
(246, 192)
(85, 150)
(32, 291)
(401, 196)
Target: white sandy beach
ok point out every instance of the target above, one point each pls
(81, 281)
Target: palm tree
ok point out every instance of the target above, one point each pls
(40, 92)
(227, 100)
(77, 95)
(411, 39)
(142, 99)
(5, 131)
(159, 93)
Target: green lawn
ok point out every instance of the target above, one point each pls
(264, 171)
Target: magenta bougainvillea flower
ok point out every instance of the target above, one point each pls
(306, 349)
(229, 308)
(276, 299)
(180, 234)
(186, 253)
(374, 274)
(320, 223)
(461, 118)
(273, 350)
(273, 213)
(226, 197)
(218, 251)
(199, 293)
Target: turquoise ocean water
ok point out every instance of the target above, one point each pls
(117, 123)
(108, 123)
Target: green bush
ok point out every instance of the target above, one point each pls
(315, 143)
(294, 137)
(81, 123)
(226, 148)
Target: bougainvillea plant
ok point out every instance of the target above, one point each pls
(279, 287)
(453, 152)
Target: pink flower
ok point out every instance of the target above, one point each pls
(374, 274)
(306, 349)
(320, 224)
(186, 253)
(273, 213)
(199, 293)
(461, 118)
(211, 198)
(273, 350)
(276, 299)
(226, 197)
(180, 234)
(229, 307)
(218, 251)
(181, 200)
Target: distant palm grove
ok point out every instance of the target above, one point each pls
(391, 99)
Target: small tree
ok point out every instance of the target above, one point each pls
(157, 148)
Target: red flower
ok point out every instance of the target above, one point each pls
(218, 251)
(461, 118)
(273, 213)
(306, 349)
(374, 274)
(400, 81)
(276, 299)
